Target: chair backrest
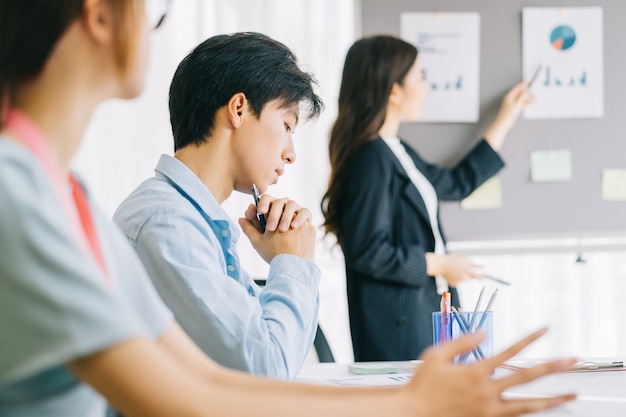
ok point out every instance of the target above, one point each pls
(324, 353)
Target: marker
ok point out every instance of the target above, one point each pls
(444, 305)
(445, 334)
(261, 217)
(498, 280)
(534, 77)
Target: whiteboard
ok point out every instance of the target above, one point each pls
(572, 208)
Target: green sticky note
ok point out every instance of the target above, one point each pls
(372, 368)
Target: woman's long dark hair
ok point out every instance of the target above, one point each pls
(373, 65)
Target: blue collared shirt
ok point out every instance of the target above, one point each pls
(188, 245)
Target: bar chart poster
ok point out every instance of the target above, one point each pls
(563, 56)
(449, 51)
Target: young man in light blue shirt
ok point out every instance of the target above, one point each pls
(234, 103)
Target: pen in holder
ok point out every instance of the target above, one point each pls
(445, 319)
(456, 324)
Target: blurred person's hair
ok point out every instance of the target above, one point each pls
(30, 29)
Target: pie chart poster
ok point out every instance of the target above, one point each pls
(564, 47)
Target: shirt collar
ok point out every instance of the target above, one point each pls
(393, 139)
(184, 179)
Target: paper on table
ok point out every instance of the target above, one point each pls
(361, 381)
(487, 196)
(614, 185)
(551, 165)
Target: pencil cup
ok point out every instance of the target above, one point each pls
(450, 326)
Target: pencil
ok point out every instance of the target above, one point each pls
(488, 308)
(480, 298)
(463, 325)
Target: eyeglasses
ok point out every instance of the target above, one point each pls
(156, 10)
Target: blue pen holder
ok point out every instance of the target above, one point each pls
(450, 326)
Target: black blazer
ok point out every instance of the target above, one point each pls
(386, 233)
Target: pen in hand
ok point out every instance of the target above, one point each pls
(259, 216)
(498, 280)
(534, 77)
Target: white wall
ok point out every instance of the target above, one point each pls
(580, 302)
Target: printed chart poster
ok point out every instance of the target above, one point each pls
(564, 47)
(449, 51)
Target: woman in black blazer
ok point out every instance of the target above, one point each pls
(382, 200)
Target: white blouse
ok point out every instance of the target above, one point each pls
(429, 195)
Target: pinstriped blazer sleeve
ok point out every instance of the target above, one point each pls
(367, 221)
(454, 184)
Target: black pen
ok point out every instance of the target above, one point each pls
(261, 217)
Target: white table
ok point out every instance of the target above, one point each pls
(599, 393)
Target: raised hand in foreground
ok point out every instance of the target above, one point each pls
(440, 388)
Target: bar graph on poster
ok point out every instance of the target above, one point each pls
(565, 47)
(449, 51)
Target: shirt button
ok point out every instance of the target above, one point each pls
(224, 233)
(231, 268)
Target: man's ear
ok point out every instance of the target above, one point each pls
(98, 20)
(236, 109)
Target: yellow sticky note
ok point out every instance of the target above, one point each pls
(614, 184)
(487, 196)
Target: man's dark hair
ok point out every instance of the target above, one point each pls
(224, 65)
